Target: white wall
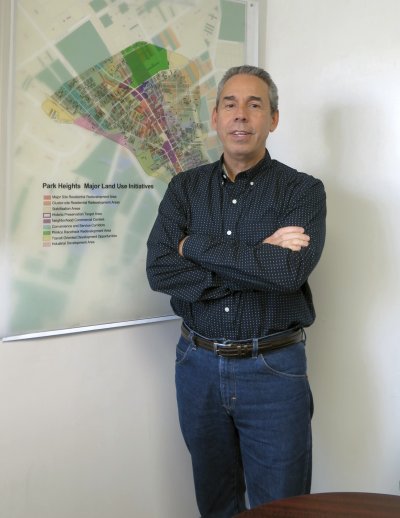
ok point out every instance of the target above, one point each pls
(337, 65)
(89, 427)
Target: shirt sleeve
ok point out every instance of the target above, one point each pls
(264, 266)
(167, 271)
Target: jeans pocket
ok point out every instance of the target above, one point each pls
(290, 361)
(183, 349)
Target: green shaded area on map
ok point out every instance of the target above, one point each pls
(27, 295)
(55, 75)
(97, 5)
(106, 20)
(144, 61)
(96, 166)
(233, 27)
(85, 37)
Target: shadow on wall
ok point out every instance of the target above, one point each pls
(352, 280)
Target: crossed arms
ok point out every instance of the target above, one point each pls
(293, 238)
(199, 267)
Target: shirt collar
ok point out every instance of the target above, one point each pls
(249, 174)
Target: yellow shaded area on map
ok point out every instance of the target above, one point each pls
(56, 111)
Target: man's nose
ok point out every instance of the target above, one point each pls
(241, 114)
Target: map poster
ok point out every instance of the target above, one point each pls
(111, 99)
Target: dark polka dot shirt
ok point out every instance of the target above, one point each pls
(229, 284)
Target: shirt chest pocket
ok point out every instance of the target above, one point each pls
(257, 221)
(255, 228)
(199, 223)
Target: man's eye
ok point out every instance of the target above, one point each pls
(230, 105)
(254, 105)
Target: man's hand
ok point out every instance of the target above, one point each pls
(180, 246)
(289, 237)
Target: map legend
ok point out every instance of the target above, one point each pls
(80, 219)
(46, 231)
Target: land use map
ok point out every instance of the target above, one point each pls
(112, 98)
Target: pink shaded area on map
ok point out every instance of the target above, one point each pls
(85, 123)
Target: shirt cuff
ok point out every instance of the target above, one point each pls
(193, 247)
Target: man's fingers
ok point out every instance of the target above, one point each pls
(294, 244)
(292, 237)
(288, 230)
(289, 237)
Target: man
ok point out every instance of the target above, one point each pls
(234, 244)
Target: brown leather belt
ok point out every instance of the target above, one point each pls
(244, 349)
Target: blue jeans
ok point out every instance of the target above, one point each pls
(247, 425)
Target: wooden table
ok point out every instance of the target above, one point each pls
(330, 505)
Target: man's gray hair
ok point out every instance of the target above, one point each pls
(251, 71)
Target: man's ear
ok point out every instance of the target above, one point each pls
(275, 120)
(214, 118)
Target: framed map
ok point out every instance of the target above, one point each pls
(110, 99)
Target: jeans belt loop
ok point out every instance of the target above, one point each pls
(255, 348)
(190, 337)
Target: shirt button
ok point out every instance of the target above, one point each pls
(229, 232)
(234, 202)
(226, 310)
(251, 183)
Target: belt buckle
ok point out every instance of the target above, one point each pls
(238, 351)
(219, 347)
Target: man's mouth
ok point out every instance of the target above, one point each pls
(241, 132)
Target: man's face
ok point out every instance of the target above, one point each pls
(243, 119)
